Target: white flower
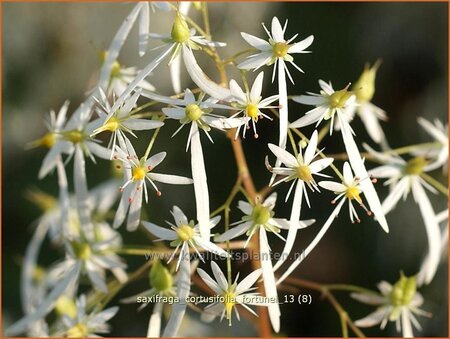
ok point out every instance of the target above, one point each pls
(276, 50)
(328, 103)
(121, 120)
(256, 216)
(137, 174)
(185, 234)
(87, 325)
(96, 257)
(301, 168)
(300, 171)
(230, 295)
(398, 303)
(198, 114)
(440, 133)
(250, 104)
(349, 190)
(405, 177)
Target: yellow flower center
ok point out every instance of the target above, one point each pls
(180, 30)
(193, 112)
(352, 193)
(48, 140)
(138, 173)
(304, 173)
(280, 49)
(415, 166)
(82, 251)
(185, 232)
(252, 111)
(260, 215)
(78, 331)
(115, 70)
(74, 136)
(65, 306)
(339, 98)
(112, 124)
(229, 302)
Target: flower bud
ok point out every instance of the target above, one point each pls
(403, 291)
(365, 86)
(180, 30)
(160, 277)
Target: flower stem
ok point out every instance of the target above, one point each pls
(436, 184)
(150, 144)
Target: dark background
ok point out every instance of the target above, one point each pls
(50, 54)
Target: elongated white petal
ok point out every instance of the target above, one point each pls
(312, 100)
(200, 183)
(295, 217)
(407, 331)
(313, 243)
(160, 232)
(175, 74)
(134, 213)
(209, 281)
(255, 93)
(299, 47)
(170, 179)
(154, 323)
(277, 30)
(50, 159)
(116, 46)
(283, 99)
(309, 118)
(179, 217)
(219, 276)
(270, 287)
(237, 92)
(142, 124)
(81, 192)
(64, 201)
(373, 318)
(284, 156)
(141, 76)
(200, 78)
(361, 172)
(256, 42)
(46, 305)
(311, 149)
(255, 61)
(162, 98)
(371, 123)
(29, 265)
(183, 289)
(234, 232)
(370, 299)
(245, 207)
(320, 164)
(333, 186)
(432, 130)
(144, 26)
(432, 228)
(248, 281)
(210, 246)
(399, 190)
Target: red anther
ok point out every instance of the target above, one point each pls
(248, 127)
(261, 116)
(353, 221)
(256, 136)
(115, 157)
(130, 200)
(357, 178)
(369, 213)
(149, 168)
(158, 193)
(121, 189)
(128, 157)
(374, 180)
(333, 202)
(358, 221)
(280, 106)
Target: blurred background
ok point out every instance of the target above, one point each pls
(51, 53)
